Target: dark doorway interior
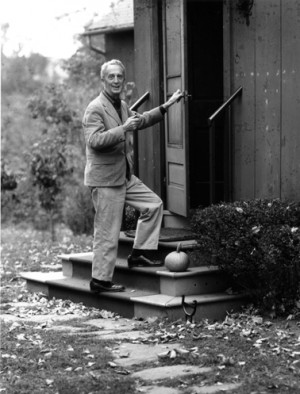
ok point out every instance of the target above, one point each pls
(205, 84)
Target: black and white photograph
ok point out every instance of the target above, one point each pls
(150, 197)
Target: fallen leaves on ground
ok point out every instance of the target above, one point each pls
(38, 304)
(260, 336)
(41, 360)
(261, 352)
(25, 249)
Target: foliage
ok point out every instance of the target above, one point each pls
(258, 243)
(78, 211)
(22, 77)
(20, 204)
(51, 104)
(26, 249)
(18, 132)
(83, 68)
(23, 74)
(48, 168)
(8, 179)
(56, 158)
(130, 218)
(54, 107)
(54, 117)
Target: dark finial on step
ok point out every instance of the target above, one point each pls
(189, 315)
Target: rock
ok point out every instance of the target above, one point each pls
(170, 372)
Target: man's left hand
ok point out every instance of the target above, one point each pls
(176, 96)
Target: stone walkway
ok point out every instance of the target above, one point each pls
(133, 352)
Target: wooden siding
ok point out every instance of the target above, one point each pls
(290, 111)
(265, 60)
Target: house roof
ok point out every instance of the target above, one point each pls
(119, 18)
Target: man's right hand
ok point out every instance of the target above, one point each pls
(132, 123)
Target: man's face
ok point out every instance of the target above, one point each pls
(113, 81)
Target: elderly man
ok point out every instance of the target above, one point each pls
(108, 124)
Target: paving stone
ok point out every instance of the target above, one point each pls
(214, 389)
(170, 372)
(159, 390)
(131, 353)
(15, 305)
(121, 335)
(6, 317)
(114, 324)
(68, 329)
(39, 318)
(96, 333)
(110, 335)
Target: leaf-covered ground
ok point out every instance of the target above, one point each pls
(25, 249)
(33, 358)
(260, 353)
(264, 355)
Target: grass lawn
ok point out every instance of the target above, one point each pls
(261, 353)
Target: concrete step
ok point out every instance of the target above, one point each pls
(149, 291)
(164, 248)
(196, 280)
(132, 302)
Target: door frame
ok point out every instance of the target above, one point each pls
(228, 83)
(184, 209)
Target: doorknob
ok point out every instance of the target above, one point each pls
(187, 96)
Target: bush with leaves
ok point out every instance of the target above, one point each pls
(8, 179)
(49, 169)
(20, 204)
(130, 218)
(54, 107)
(51, 104)
(83, 68)
(78, 210)
(257, 242)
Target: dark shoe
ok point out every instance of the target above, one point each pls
(142, 261)
(101, 286)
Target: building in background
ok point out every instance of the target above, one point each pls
(113, 34)
(210, 49)
(244, 51)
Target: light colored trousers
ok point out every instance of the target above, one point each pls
(109, 204)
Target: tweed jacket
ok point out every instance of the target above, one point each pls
(105, 140)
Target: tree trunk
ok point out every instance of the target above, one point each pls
(52, 226)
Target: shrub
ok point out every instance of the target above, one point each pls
(130, 218)
(257, 242)
(8, 180)
(20, 204)
(78, 210)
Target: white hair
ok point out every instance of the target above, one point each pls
(110, 63)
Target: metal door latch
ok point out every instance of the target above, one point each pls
(185, 96)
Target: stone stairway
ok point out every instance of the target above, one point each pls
(149, 291)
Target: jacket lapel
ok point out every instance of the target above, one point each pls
(124, 111)
(109, 109)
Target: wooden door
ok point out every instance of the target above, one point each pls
(176, 130)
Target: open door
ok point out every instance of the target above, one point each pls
(177, 190)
